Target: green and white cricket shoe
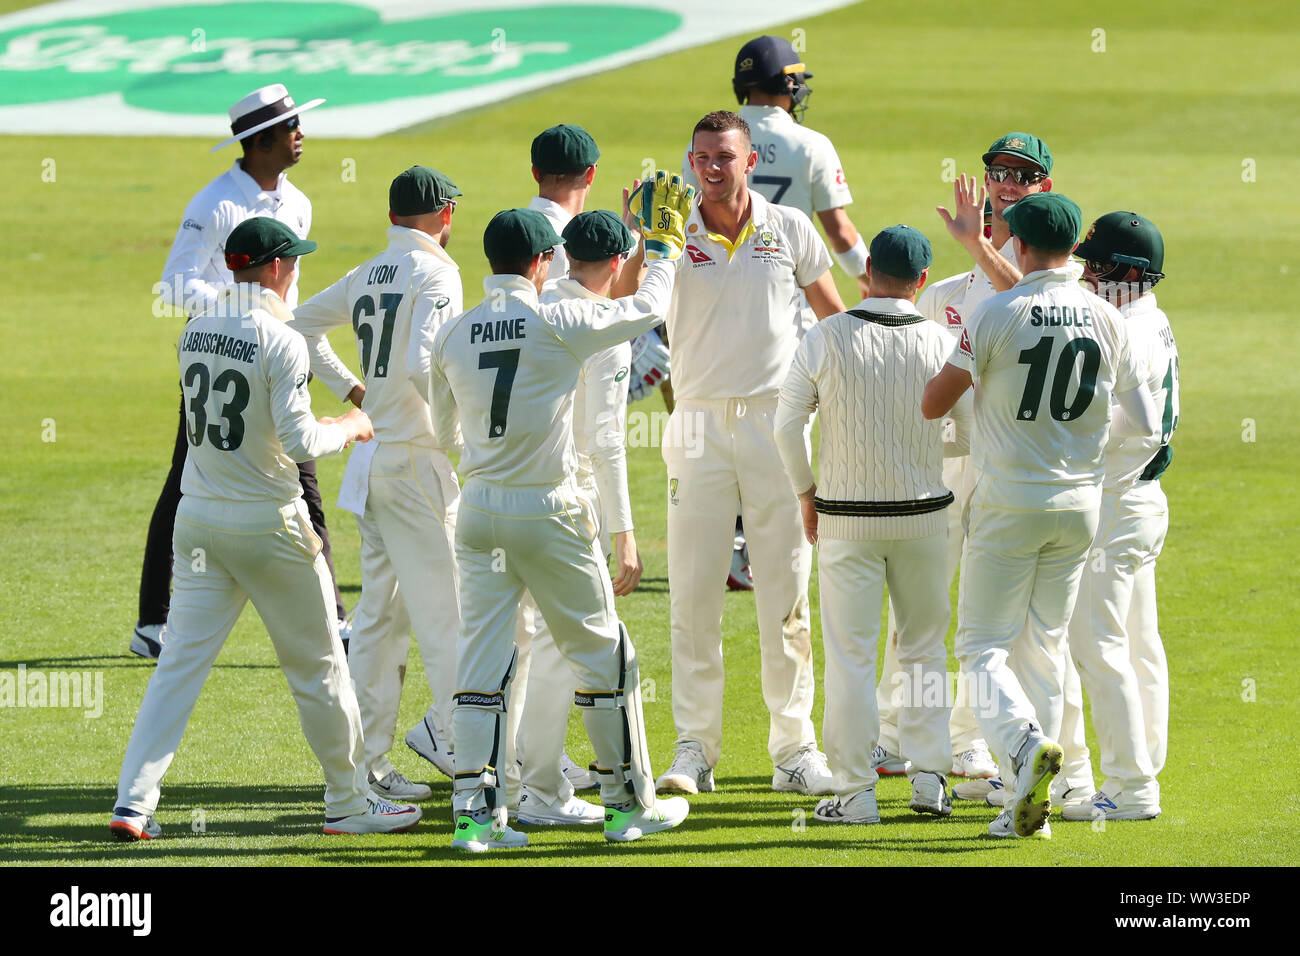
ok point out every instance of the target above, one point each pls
(634, 822)
(1003, 827)
(1030, 803)
(479, 837)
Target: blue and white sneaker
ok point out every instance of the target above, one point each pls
(980, 789)
(131, 825)
(426, 741)
(148, 640)
(806, 774)
(1102, 807)
(887, 764)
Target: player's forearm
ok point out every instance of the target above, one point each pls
(642, 312)
(789, 428)
(1135, 416)
(304, 438)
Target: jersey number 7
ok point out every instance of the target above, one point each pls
(506, 362)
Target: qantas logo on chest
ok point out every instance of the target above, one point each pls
(698, 257)
(952, 315)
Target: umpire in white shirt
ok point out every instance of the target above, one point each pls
(878, 517)
(266, 124)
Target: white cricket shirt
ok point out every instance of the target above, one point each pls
(247, 411)
(395, 304)
(600, 416)
(196, 267)
(1152, 342)
(1045, 356)
(734, 322)
(950, 300)
(507, 368)
(796, 166)
(558, 217)
(881, 460)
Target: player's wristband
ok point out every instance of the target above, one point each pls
(854, 261)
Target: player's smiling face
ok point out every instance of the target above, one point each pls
(722, 162)
(1009, 192)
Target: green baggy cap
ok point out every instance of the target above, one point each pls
(515, 234)
(596, 236)
(900, 251)
(256, 241)
(1022, 144)
(1048, 221)
(564, 149)
(420, 190)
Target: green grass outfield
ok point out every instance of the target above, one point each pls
(1160, 122)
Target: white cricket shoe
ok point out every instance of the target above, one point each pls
(131, 825)
(1071, 796)
(806, 774)
(479, 837)
(536, 812)
(1102, 807)
(1003, 827)
(885, 763)
(930, 795)
(148, 640)
(426, 741)
(623, 826)
(380, 816)
(974, 763)
(345, 634)
(977, 789)
(859, 808)
(394, 786)
(578, 778)
(1030, 803)
(688, 773)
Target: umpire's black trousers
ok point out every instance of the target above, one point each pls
(156, 574)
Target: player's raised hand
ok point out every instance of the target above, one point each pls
(629, 217)
(661, 207)
(966, 222)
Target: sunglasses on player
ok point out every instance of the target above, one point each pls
(292, 123)
(1022, 175)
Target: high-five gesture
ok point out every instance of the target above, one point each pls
(966, 222)
(661, 207)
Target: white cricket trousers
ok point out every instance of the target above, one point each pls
(1146, 650)
(963, 728)
(408, 582)
(721, 456)
(541, 539)
(228, 553)
(1020, 575)
(1129, 532)
(851, 577)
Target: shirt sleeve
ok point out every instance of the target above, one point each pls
(442, 408)
(326, 310)
(605, 410)
(599, 325)
(968, 353)
(302, 436)
(829, 188)
(794, 409)
(198, 241)
(1129, 373)
(438, 300)
(810, 256)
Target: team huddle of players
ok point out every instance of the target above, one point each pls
(1041, 482)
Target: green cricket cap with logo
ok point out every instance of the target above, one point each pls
(900, 251)
(255, 242)
(1048, 221)
(1124, 234)
(595, 236)
(564, 149)
(1022, 144)
(515, 234)
(420, 190)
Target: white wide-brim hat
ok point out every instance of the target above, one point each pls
(262, 108)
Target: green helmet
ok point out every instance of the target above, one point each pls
(1119, 240)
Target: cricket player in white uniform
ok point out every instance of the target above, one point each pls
(797, 167)
(877, 517)
(267, 124)
(1123, 256)
(401, 486)
(734, 326)
(243, 533)
(1045, 357)
(505, 372)
(598, 245)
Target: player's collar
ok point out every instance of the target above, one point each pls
(758, 215)
(1072, 271)
(240, 298)
(1142, 305)
(515, 285)
(253, 192)
(417, 239)
(573, 289)
(766, 113)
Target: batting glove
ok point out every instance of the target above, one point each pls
(661, 206)
(649, 366)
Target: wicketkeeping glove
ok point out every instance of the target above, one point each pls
(649, 366)
(661, 206)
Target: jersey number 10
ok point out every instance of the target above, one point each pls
(1039, 358)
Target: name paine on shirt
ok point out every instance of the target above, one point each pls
(496, 331)
(218, 343)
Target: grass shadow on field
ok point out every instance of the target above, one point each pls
(653, 585)
(101, 661)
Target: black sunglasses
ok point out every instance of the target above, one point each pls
(1022, 175)
(292, 123)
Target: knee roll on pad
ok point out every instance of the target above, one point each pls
(616, 726)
